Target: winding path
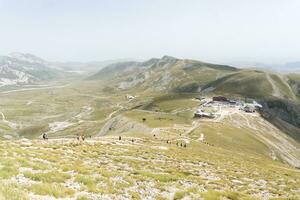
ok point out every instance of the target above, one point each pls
(38, 88)
(276, 91)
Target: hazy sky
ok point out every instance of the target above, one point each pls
(209, 30)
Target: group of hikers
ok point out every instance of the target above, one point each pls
(178, 144)
(132, 140)
(79, 137)
(82, 138)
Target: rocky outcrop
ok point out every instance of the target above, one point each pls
(121, 124)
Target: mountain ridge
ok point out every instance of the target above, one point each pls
(279, 92)
(160, 71)
(22, 69)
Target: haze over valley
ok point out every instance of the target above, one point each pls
(157, 99)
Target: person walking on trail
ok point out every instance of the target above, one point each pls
(79, 138)
(45, 136)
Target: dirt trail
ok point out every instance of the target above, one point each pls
(3, 116)
(287, 85)
(112, 113)
(11, 124)
(195, 125)
(38, 88)
(276, 91)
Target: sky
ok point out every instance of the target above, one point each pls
(208, 30)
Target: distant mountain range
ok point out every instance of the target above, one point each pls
(85, 67)
(290, 67)
(18, 69)
(21, 69)
(293, 66)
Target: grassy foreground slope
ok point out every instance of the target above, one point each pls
(106, 168)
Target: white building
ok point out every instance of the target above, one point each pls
(129, 97)
(250, 108)
(201, 113)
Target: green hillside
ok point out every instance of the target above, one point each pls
(170, 74)
(294, 82)
(165, 74)
(279, 92)
(245, 83)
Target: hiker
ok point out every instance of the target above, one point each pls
(120, 138)
(83, 138)
(45, 136)
(184, 145)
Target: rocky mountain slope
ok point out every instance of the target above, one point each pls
(165, 74)
(24, 69)
(178, 75)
